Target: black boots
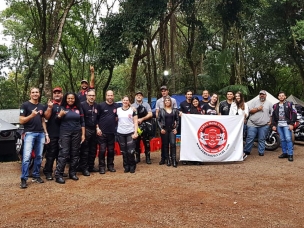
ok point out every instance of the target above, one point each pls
(148, 159)
(290, 158)
(284, 155)
(137, 157)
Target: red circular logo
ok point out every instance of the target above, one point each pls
(212, 137)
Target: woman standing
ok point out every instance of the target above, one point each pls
(239, 107)
(168, 122)
(211, 108)
(195, 107)
(127, 133)
(72, 134)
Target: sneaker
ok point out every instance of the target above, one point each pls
(260, 154)
(23, 183)
(244, 156)
(49, 177)
(37, 180)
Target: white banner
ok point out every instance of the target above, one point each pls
(210, 138)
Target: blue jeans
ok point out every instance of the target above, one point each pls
(32, 141)
(251, 134)
(286, 141)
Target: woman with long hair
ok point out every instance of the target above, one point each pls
(72, 134)
(127, 133)
(168, 121)
(239, 107)
(211, 108)
(195, 106)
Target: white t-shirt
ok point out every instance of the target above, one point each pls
(125, 120)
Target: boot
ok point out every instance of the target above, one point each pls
(125, 162)
(137, 157)
(148, 160)
(290, 158)
(162, 161)
(173, 156)
(169, 162)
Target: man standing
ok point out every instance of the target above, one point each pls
(160, 104)
(206, 98)
(224, 107)
(85, 86)
(31, 117)
(185, 106)
(106, 129)
(144, 114)
(53, 128)
(88, 147)
(283, 118)
(258, 123)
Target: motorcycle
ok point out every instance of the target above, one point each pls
(298, 129)
(272, 141)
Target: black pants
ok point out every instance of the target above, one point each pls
(69, 146)
(51, 154)
(106, 142)
(168, 139)
(88, 150)
(146, 140)
(127, 148)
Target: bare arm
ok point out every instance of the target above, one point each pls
(135, 135)
(45, 131)
(48, 112)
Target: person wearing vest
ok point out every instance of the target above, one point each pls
(144, 115)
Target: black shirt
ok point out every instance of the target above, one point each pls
(224, 108)
(53, 126)
(185, 107)
(209, 110)
(82, 94)
(73, 119)
(202, 103)
(34, 124)
(90, 114)
(106, 119)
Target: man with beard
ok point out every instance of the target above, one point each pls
(85, 86)
(283, 118)
(144, 114)
(185, 106)
(32, 118)
(258, 123)
(224, 107)
(88, 147)
(106, 129)
(53, 127)
(206, 98)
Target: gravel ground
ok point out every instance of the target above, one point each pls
(259, 192)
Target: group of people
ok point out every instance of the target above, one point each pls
(259, 116)
(71, 127)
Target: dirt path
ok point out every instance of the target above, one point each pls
(260, 192)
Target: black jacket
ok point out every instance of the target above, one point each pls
(161, 119)
(290, 113)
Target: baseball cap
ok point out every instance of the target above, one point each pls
(262, 92)
(84, 81)
(139, 92)
(57, 89)
(163, 88)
